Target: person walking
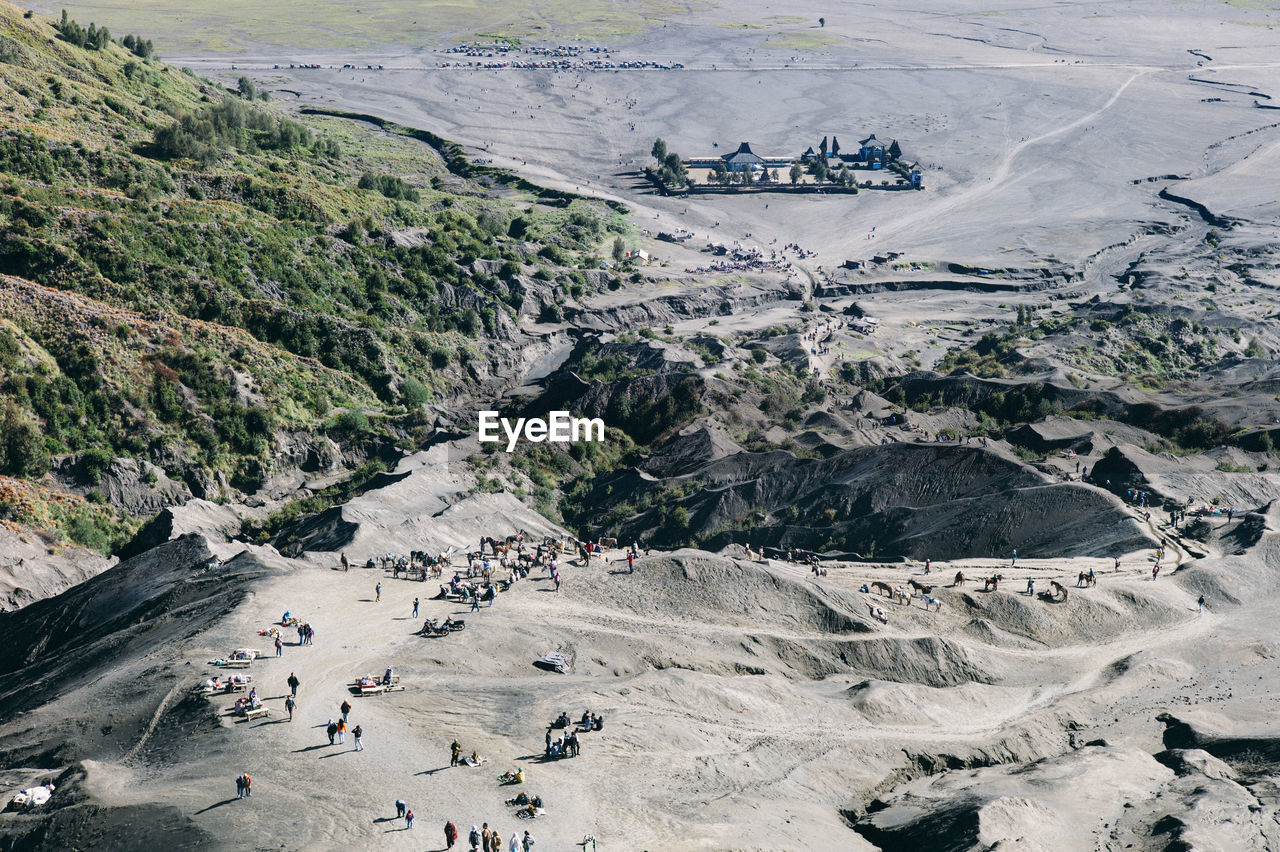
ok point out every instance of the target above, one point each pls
(401, 808)
(631, 563)
(556, 577)
(514, 845)
(415, 607)
(527, 842)
(240, 786)
(485, 834)
(408, 819)
(289, 704)
(475, 601)
(1200, 604)
(1014, 557)
(332, 731)
(279, 646)
(358, 732)
(377, 596)
(248, 786)
(345, 708)
(450, 834)
(342, 731)
(1031, 587)
(294, 683)
(474, 839)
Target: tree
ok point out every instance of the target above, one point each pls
(720, 173)
(796, 172)
(659, 150)
(846, 176)
(245, 86)
(619, 249)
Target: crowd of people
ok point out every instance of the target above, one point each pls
(497, 562)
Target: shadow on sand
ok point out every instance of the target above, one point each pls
(218, 804)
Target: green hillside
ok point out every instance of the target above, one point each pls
(189, 274)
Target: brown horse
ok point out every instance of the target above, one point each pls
(992, 584)
(1086, 579)
(920, 587)
(959, 580)
(878, 586)
(1058, 589)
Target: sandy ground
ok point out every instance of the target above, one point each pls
(1036, 120)
(725, 727)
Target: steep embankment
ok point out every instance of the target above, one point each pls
(940, 501)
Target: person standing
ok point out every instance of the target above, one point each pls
(345, 563)
(514, 845)
(248, 786)
(294, 683)
(631, 562)
(279, 646)
(475, 601)
(345, 708)
(527, 842)
(377, 592)
(1014, 557)
(556, 577)
(408, 819)
(358, 732)
(474, 839)
(450, 834)
(1031, 587)
(289, 704)
(485, 834)
(455, 752)
(240, 786)
(1200, 604)
(342, 731)
(332, 731)
(415, 607)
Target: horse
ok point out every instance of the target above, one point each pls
(992, 583)
(819, 571)
(959, 580)
(929, 603)
(920, 587)
(1087, 579)
(901, 597)
(1057, 588)
(884, 587)
(609, 542)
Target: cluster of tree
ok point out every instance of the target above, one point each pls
(389, 185)
(670, 170)
(822, 173)
(208, 134)
(22, 449)
(138, 46)
(92, 38)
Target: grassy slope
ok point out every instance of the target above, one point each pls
(145, 289)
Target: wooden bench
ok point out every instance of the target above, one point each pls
(257, 712)
(237, 664)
